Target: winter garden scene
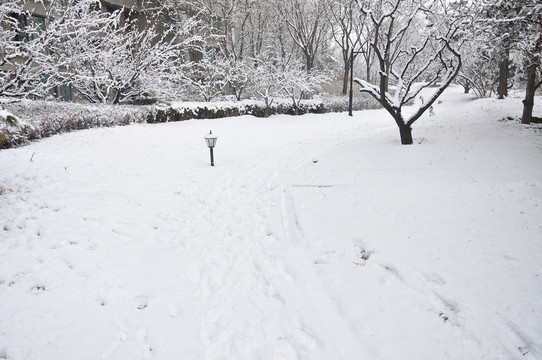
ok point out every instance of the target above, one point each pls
(273, 179)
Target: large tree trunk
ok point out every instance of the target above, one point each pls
(502, 90)
(406, 134)
(309, 62)
(528, 103)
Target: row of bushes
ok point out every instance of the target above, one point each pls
(181, 112)
(40, 119)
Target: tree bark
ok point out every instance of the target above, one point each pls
(528, 103)
(116, 101)
(387, 77)
(406, 134)
(502, 89)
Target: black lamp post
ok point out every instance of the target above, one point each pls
(351, 79)
(211, 142)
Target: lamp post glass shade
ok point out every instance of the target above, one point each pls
(210, 139)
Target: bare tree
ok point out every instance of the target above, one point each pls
(346, 29)
(229, 21)
(261, 27)
(429, 59)
(305, 22)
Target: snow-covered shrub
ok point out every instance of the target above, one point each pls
(12, 129)
(7, 118)
(41, 119)
(360, 101)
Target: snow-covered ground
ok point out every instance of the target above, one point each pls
(313, 237)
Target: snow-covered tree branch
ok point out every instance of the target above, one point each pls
(23, 53)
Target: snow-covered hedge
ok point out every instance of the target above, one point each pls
(39, 119)
(360, 101)
(46, 118)
(179, 111)
(12, 129)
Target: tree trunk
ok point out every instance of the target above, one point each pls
(116, 101)
(466, 87)
(309, 62)
(238, 94)
(406, 135)
(528, 103)
(502, 90)
(388, 73)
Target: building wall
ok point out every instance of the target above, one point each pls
(129, 4)
(37, 8)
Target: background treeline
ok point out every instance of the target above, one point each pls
(209, 50)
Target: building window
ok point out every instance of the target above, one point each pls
(28, 27)
(37, 23)
(127, 17)
(110, 9)
(21, 22)
(65, 93)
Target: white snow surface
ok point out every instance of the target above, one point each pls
(313, 237)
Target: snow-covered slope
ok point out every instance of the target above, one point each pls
(313, 237)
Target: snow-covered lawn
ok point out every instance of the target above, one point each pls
(313, 237)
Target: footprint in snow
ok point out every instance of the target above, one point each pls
(434, 279)
(392, 270)
(37, 289)
(361, 257)
(142, 305)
